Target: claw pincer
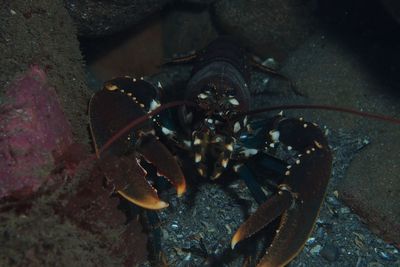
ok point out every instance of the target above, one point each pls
(121, 101)
(299, 196)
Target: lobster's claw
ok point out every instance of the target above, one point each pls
(157, 154)
(299, 196)
(128, 177)
(121, 101)
(109, 111)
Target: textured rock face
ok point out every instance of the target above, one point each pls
(330, 72)
(393, 7)
(34, 131)
(372, 186)
(185, 31)
(270, 28)
(92, 208)
(97, 18)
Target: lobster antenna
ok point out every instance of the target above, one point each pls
(326, 107)
(140, 120)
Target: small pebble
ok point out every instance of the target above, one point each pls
(330, 253)
(386, 256)
(316, 249)
(310, 241)
(265, 81)
(336, 193)
(165, 234)
(187, 258)
(332, 201)
(344, 210)
(320, 232)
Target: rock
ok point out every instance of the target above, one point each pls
(372, 189)
(53, 45)
(393, 7)
(93, 208)
(386, 256)
(330, 253)
(42, 32)
(137, 54)
(329, 72)
(187, 30)
(270, 28)
(316, 249)
(34, 132)
(98, 18)
(29, 235)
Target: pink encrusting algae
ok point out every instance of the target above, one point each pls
(33, 133)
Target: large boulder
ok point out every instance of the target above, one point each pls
(34, 132)
(269, 28)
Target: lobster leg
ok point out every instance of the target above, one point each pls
(265, 69)
(255, 188)
(299, 195)
(181, 60)
(268, 70)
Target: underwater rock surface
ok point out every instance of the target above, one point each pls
(332, 73)
(269, 28)
(34, 131)
(393, 7)
(94, 209)
(98, 18)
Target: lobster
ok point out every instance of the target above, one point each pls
(215, 127)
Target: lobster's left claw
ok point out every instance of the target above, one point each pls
(299, 196)
(122, 101)
(128, 178)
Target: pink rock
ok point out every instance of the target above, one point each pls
(33, 132)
